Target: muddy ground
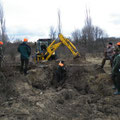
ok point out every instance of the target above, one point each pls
(86, 95)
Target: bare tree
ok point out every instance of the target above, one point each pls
(52, 33)
(98, 33)
(59, 22)
(88, 29)
(76, 35)
(3, 35)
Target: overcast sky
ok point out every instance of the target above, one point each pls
(33, 18)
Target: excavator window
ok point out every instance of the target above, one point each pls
(43, 47)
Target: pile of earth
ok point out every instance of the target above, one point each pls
(86, 95)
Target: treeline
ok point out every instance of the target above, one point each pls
(90, 38)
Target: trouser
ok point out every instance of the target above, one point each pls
(117, 82)
(61, 76)
(24, 62)
(0, 61)
(114, 81)
(104, 60)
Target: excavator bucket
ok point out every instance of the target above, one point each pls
(76, 57)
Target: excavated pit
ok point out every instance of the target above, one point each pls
(86, 94)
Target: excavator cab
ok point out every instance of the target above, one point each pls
(41, 49)
(42, 44)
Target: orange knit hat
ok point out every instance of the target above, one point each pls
(25, 39)
(61, 64)
(1, 43)
(118, 43)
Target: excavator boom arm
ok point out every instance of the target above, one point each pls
(69, 45)
(51, 49)
(53, 46)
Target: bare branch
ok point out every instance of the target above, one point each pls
(3, 35)
(52, 33)
(59, 22)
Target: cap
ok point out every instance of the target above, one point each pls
(61, 63)
(1, 43)
(25, 39)
(118, 43)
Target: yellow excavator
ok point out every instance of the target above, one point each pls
(46, 50)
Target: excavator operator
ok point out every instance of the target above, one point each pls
(43, 48)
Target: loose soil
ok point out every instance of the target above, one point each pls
(86, 94)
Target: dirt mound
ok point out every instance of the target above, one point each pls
(85, 79)
(77, 79)
(86, 95)
(7, 87)
(40, 78)
(2, 86)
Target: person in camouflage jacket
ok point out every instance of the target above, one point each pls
(108, 54)
(116, 73)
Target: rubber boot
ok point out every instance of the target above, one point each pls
(117, 93)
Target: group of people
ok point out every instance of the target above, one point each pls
(25, 51)
(112, 53)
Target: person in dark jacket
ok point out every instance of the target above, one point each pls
(61, 73)
(116, 74)
(1, 53)
(25, 52)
